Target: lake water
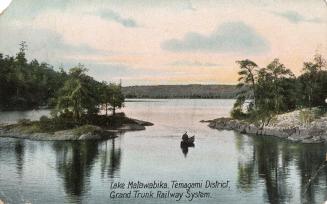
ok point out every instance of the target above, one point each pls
(258, 169)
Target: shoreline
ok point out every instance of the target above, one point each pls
(81, 133)
(286, 127)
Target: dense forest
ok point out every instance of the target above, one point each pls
(274, 89)
(27, 85)
(181, 91)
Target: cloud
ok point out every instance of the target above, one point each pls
(193, 64)
(43, 44)
(114, 72)
(109, 71)
(114, 16)
(295, 17)
(189, 5)
(228, 37)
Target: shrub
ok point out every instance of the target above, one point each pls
(33, 128)
(45, 123)
(85, 129)
(237, 113)
(44, 119)
(121, 114)
(260, 117)
(320, 111)
(24, 122)
(306, 116)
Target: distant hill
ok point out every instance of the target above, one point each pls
(181, 91)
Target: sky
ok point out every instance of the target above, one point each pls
(146, 42)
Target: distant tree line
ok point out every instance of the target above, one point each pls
(27, 85)
(275, 89)
(209, 91)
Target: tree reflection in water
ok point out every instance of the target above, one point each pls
(270, 160)
(309, 161)
(75, 160)
(110, 158)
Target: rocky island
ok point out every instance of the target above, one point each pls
(305, 126)
(39, 130)
(82, 108)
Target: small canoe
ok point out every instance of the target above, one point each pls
(189, 140)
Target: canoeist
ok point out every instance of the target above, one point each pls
(186, 140)
(185, 136)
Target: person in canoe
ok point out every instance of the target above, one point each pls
(186, 139)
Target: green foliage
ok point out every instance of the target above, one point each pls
(62, 121)
(276, 89)
(78, 94)
(65, 121)
(27, 126)
(32, 128)
(208, 91)
(111, 97)
(85, 129)
(116, 99)
(24, 122)
(81, 95)
(306, 116)
(108, 121)
(46, 123)
(260, 117)
(313, 83)
(273, 87)
(247, 77)
(237, 113)
(25, 85)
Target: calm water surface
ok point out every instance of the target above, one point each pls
(259, 169)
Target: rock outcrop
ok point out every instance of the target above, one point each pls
(86, 132)
(93, 133)
(288, 126)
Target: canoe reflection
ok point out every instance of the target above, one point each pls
(184, 146)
